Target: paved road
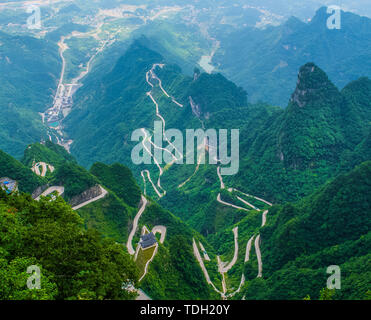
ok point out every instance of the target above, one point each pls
(48, 191)
(259, 257)
(142, 295)
(135, 225)
(157, 229)
(160, 195)
(149, 76)
(102, 195)
(229, 204)
(154, 76)
(264, 218)
(199, 160)
(161, 230)
(206, 256)
(257, 198)
(204, 270)
(242, 282)
(248, 248)
(223, 269)
(248, 203)
(45, 166)
(222, 185)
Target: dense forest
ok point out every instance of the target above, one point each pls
(330, 227)
(75, 263)
(299, 95)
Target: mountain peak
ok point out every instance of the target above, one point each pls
(294, 22)
(292, 25)
(311, 81)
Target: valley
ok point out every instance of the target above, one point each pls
(223, 267)
(100, 78)
(63, 100)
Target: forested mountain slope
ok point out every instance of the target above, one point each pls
(29, 73)
(13, 169)
(72, 260)
(113, 217)
(306, 144)
(265, 62)
(300, 240)
(284, 154)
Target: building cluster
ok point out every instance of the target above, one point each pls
(8, 185)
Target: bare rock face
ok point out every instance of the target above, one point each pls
(87, 195)
(310, 80)
(39, 190)
(310, 134)
(196, 110)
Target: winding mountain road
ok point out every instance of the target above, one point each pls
(129, 245)
(44, 166)
(248, 203)
(149, 76)
(58, 189)
(161, 230)
(222, 267)
(248, 249)
(222, 185)
(264, 218)
(204, 270)
(229, 204)
(259, 257)
(104, 192)
(206, 256)
(225, 269)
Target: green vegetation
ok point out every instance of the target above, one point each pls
(29, 69)
(110, 216)
(265, 61)
(143, 257)
(79, 52)
(74, 178)
(302, 158)
(48, 152)
(303, 146)
(330, 227)
(13, 169)
(75, 263)
(174, 273)
(120, 180)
